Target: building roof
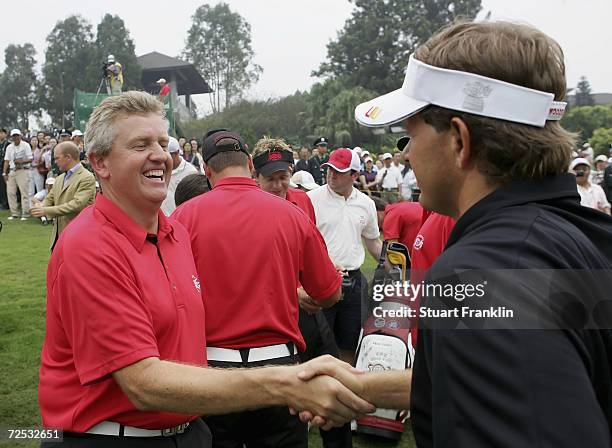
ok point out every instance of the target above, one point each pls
(156, 65)
(598, 98)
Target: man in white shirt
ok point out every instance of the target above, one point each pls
(397, 161)
(180, 170)
(389, 179)
(16, 173)
(591, 195)
(345, 217)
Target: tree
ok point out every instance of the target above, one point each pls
(112, 37)
(69, 53)
(601, 141)
(583, 93)
(219, 45)
(585, 120)
(18, 85)
(372, 49)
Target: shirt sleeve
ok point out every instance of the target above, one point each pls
(318, 276)
(371, 231)
(391, 225)
(105, 318)
(602, 200)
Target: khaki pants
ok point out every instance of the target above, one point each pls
(19, 179)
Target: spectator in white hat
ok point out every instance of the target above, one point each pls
(164, 88)
(597, 175)
(389, 179)
(16, 172)
(591, 195)
(180, 170)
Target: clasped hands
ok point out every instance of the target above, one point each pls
(328, 393)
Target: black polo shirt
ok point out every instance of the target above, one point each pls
(518, 388)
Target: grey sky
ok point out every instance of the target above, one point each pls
(290, 36)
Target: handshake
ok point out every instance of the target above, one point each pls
(328, 392)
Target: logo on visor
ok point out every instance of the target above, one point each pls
(274, 156)
(475, 93)
(373, 112)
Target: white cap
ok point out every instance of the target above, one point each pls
(77, 133)
(50, 181)
(358, 150)
(579, 161)
(365, 153)
(368, 159)
(601, 158)
(173, 145)
(161, 80)
(15, 132)
(304, 179)
(387, 155)
(110, 58)
(461, 91)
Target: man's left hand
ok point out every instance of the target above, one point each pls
(37, 211)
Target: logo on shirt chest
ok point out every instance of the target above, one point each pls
(196, 282)
(418, 242)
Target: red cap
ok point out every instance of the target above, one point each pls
(343, 160)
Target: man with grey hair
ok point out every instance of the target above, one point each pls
(123, 362)
(180, 170)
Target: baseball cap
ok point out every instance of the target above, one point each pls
(320, 141)
(110, 58)
(358, 150)
(387, 155)
(77, 133)
(601, 158)
(160, 80)
(64, 132)
(579, 161)
(365, 153)
(15, 132)
(50, 181)
(368, 159)
(272, 161)
(304, 179)
(173, 145)
(426, 85)
(232, 141)
(402, 142)
(343, 160)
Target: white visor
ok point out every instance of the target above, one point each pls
(462, 91)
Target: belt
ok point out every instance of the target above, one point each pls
(391, 189)
(254, 354)
(115, 429)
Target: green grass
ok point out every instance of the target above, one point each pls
(24, 252)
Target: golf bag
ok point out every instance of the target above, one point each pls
(385, 343)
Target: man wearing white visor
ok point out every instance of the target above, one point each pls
(481, 104)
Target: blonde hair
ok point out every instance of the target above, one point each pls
(101, 132)
(267, 144)
(518, 54)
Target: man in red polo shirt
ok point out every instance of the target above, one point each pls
(124, 351)
(252, 249)
(272, 159)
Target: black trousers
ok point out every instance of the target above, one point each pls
(3, 196)
(272, 427)
(320, 341)
(196, 436)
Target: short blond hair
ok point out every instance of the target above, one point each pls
(518, 54)
(68, 148)
(101, 132)
(267, 144)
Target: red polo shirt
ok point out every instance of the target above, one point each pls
(251, 250)
(165, 90)
(402, 222)
(428, 245)
(111, 302)
(301, 199)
